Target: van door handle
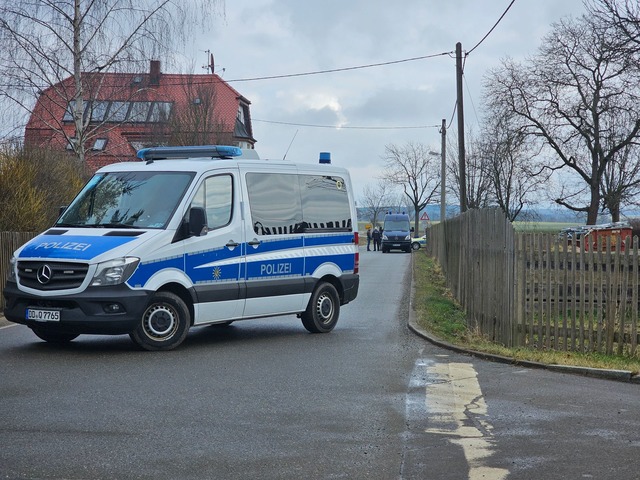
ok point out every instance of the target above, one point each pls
(254, 242)
(232, 244)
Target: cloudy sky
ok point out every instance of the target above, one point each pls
(352, 113)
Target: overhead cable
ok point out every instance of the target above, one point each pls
(339, 127)
(492, 28)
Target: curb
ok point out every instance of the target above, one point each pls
(616, 375)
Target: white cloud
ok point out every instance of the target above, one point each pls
(276, 37)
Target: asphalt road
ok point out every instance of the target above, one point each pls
(266, 400)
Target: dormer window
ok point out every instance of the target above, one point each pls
(99, 144)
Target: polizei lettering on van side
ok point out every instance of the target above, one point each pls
(191, 236)
(276, 269)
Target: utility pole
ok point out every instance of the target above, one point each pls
(460, 110)
(443, 172)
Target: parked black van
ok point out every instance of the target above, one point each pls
(396, 234)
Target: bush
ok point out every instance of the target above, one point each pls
(33, 186)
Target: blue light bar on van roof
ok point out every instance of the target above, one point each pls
(212, 151)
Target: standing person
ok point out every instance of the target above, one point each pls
(376, 239)
(368, 239)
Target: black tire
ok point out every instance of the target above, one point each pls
(53, 337)
(415, 246)
(164, 323)
(323, 310)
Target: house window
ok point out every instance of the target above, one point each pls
(71, 143)
(98, 110)
(118, 112)
(139, 111)
(160, 112)
(68, 114)
(99, 144)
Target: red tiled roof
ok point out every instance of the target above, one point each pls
(45, 125)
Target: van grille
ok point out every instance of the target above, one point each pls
(51, 275)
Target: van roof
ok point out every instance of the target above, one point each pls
(204, 164)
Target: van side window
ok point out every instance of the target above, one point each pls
(215, 195)
(275, 203)
(325, 203)
(290, 204)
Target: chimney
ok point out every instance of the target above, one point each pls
(154, 72)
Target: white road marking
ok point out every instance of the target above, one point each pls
(456, 408)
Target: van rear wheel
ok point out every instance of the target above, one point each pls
(164, 323)
(323, 309)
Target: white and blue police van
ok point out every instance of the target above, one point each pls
(191, 236)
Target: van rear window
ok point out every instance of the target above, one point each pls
(290, 203)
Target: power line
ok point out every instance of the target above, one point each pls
(344, 69)
(492, 28)
(345, 127)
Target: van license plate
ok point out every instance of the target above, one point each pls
(43, 315)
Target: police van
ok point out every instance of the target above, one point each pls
(191, 236)
(396, 233)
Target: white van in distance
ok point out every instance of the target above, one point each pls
(190, 236)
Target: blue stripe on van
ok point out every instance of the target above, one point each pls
(146, 270)
(228, 266)
(71, 247)
(344, 262)
(329, 240)
(267, 246)
(285, 267)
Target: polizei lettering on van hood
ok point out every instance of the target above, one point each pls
(72, 247)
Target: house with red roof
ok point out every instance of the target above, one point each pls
(124, 112)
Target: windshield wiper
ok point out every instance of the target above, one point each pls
(113, 225)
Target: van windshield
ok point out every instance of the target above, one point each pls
(396, 225)
(127, 200)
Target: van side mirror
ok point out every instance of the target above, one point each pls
(197, 221)
(412, 230)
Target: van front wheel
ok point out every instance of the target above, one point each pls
(164, 323)
(323, 310)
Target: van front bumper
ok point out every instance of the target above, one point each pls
(98, 310)
(350, 284)
(396, 245)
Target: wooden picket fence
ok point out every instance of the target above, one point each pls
(9, 242)
(537, 290)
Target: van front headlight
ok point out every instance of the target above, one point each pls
(114, 272)
(408, 237)
(11, 274)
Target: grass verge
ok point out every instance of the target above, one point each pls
(438, 313)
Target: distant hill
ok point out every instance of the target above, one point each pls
(542, 214)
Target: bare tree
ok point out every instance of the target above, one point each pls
(412, 168)
(47, 41)
(477, 174)
(510, 158)
(197, 122)
(374, 199)
(624, 16)
(620, 185)
(578, 86)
